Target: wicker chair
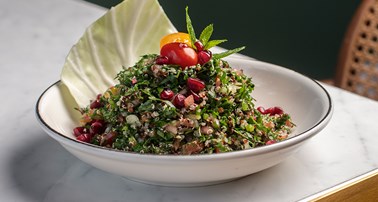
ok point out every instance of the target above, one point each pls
(357, 68)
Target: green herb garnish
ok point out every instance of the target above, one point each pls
(205, 38)
(160, 108)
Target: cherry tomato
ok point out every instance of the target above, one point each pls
(179, 54)
(178, 37)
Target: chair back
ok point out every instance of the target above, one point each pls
(357, 68)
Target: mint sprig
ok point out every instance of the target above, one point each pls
(205, 38)
(190, 28)
(206, 34)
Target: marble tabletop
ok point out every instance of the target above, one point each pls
(35, 37)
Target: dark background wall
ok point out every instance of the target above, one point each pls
(302, 35)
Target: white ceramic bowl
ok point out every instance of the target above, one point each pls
(307, 102)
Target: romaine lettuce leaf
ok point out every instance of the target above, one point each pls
(126, 32)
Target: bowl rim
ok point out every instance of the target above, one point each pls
(109, 152)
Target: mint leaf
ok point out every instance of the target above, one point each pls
(190, 28)
(227, 53)
(213, 43)
(206, 34)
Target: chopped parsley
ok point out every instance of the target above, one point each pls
(221, 117)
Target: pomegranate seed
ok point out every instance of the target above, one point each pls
(269, 142)
(204, 57)
(84, 137)
(95, 104)
(275, 110)
(271, 111)
(162, 60)
(195, 84)
(279, 110)
(261, 110)
(167, 94)
(97, 127)
(78, 131)
(199, 46)
(178, 101)
(98, 96)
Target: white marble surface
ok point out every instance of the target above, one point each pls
(36, 35)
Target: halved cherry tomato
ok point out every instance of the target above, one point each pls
(178, 37)
(179, 54)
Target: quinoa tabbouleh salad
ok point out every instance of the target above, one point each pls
(184, 101)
